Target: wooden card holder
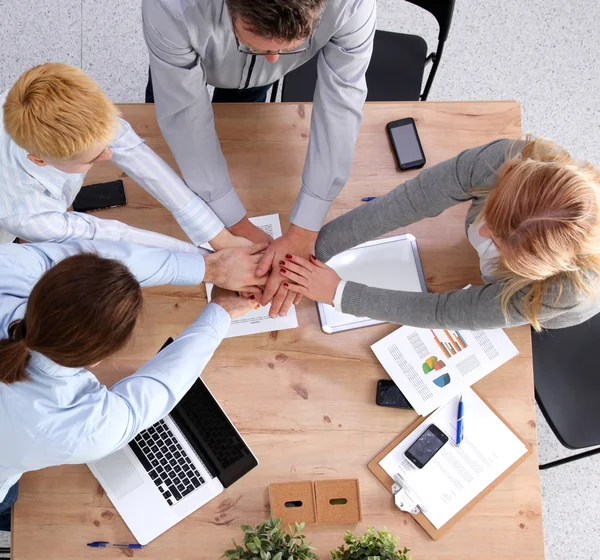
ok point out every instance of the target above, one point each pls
(293, 502)
(338, 501)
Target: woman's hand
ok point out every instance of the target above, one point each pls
(312, 279)
(235, 305)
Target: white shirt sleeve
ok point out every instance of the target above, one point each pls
(144, 166)
(113, 417)
(152, 391)
(23, 265)
(337, 299)
(64, 226)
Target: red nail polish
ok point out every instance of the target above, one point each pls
(286, 285)
(283, 271)
(252, 297)
(282, 263)
(313, 257)
(288, 256)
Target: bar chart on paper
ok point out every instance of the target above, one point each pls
(451, 343)
(431, 365)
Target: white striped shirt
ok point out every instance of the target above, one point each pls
(34, 200)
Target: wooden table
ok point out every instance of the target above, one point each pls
(303, 400)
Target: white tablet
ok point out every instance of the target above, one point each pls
(392, 263)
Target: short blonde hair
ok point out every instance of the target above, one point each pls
(54, 111)
(545, 215)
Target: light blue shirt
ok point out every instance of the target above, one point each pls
(34, 199)
(64, 415)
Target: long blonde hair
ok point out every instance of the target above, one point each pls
(544, 216)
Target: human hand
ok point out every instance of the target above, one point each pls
(312, 279)
(235, 269)
(245, 228)
(225, 240)
(297, 241)
(235, 305)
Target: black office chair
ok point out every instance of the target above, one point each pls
(397, 65)
(567, 385)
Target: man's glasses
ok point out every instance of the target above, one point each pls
(244, 49)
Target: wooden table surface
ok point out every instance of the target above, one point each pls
(303, 400)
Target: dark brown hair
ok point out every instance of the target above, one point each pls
(284, 20)
(81, 311)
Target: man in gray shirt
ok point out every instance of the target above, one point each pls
(237, 45)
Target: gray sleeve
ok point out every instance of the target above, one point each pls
(427, 195)
(337, 115)
(185, 114)
(475, 308)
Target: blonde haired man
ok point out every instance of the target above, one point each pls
(56, 124)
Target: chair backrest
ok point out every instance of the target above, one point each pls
(442, 10)
(567, 384)
(299, 85)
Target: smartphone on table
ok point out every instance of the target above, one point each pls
(388, 394)
(406, 144)
(100, 196)
(426, 446)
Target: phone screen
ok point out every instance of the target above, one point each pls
(426, 446)
(407, 143)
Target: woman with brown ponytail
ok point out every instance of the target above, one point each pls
(67, 307)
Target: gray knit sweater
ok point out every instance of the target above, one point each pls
(429, 194)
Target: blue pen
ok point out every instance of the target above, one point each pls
(459, 421)
(104, 544)
(369, 198)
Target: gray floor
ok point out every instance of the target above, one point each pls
(540, 52)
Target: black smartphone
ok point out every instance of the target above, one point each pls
(100, 196)
(426, 446)
(406, 144)
(388, 394)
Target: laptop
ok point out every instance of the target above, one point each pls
(175, 466)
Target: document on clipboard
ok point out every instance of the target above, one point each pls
(258, 320)
(457, 473)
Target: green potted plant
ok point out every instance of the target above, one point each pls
(373, 545)
(270, 542)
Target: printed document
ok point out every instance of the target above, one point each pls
(457, 473)
(258, 321)
(431, 366)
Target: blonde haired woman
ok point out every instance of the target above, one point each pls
(534, 221)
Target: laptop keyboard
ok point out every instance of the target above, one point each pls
(169, 466)
(207, 417)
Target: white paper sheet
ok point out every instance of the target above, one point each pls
(390, 264)
(457, 474)
(258, 321)
(431, 366)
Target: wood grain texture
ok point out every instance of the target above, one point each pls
(304, 401)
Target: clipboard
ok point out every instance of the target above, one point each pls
(420, 517)
(391, 263)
